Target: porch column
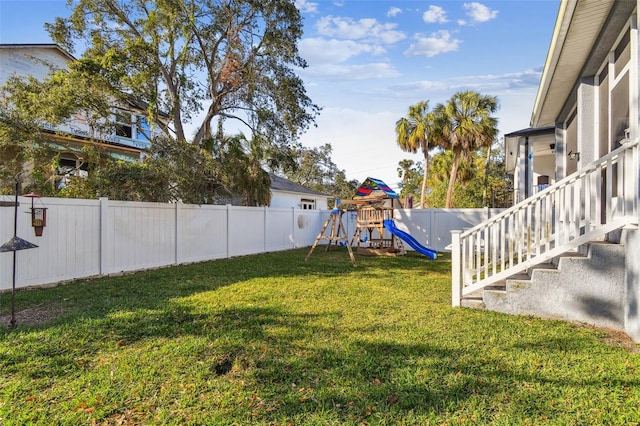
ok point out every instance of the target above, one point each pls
(587, 122)
(634, 96)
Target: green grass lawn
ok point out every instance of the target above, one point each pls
(271, 339)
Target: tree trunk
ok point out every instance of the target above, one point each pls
(452, 179)
(423, 192)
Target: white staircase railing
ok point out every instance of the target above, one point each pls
(599, 198)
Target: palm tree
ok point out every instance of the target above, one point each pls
(413, 134)
(464, 124)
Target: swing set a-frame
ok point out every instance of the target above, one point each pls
(337, 236)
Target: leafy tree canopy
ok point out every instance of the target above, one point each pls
(481, 182)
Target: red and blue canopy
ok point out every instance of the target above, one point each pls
(371, 185)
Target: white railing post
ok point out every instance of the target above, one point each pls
(636, 176)
(456, 273)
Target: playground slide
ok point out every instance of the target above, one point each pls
(391, 226)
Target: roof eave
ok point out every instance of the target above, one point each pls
(38, 46)
(560, 31)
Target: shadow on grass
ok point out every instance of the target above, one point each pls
(150, 289)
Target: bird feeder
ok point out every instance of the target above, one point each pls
(38, 215)
(13, 245)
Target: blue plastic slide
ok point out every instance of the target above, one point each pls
(391, 226)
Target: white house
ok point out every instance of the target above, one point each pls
(288, 194)
(573, 229)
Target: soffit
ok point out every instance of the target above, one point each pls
(577, 29)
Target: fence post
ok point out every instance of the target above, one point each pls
(177, 235)
(456, 273)
(228, 229)
(432, 223)
(264, 230)
(104, 244)
(293, 227)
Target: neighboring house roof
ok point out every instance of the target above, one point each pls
(37, 46)
(281, 184)
(371, 185)
(578, 36)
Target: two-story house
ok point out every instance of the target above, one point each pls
(129, 138)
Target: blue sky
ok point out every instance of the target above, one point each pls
(369, 60)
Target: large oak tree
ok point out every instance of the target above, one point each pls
(205, 60)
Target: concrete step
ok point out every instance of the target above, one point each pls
(475, 300)
(472, 302)
(571, 255)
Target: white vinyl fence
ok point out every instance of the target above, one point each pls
(87, 238)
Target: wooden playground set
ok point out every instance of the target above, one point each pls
(374, 205)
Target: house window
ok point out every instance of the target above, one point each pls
(68, 167)
(307, 204)
(543, 182)
(123, 124)
(143, 130)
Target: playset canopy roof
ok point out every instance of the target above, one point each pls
(371, 185)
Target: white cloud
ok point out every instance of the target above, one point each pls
(529, 78)
(418, 86)
(394, 11)
(322, 51)
(479, 13)
(346, 72)
(437, 43)
(364, 29)
(306, 6)
(506, 84)
(435, 15)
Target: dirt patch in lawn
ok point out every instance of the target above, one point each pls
(37, 315)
